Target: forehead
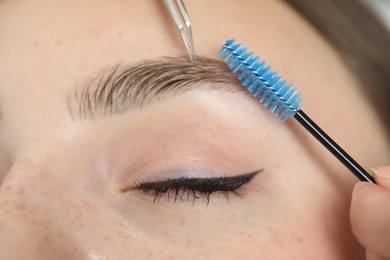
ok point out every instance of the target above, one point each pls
(103, 31)
(49, 47)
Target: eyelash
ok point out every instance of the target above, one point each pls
(194, 188)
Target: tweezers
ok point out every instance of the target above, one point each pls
(185, 31)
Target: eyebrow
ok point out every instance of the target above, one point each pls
(119, 89)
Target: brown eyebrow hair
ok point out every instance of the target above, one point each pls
(122, 88)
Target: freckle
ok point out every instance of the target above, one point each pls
(189, 241)
(21, 191)
(125, 236)
(7, 188)
(96, 32)
(21, 206)
(182, 221)
(148, 252)
(47, 221)
(119, 34)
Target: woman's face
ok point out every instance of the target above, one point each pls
(84, 185)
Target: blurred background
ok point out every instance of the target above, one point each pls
(382, 8)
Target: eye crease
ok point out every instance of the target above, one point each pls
(184, 188)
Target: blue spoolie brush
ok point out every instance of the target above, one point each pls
(281, 98)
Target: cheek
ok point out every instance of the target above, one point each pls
(293, 234)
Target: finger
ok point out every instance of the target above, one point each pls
(370, 217)
(382, 176)
(374, 256)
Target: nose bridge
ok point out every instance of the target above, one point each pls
(25, 218)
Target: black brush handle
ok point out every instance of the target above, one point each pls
(333, 147)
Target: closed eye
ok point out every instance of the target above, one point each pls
(184, 188)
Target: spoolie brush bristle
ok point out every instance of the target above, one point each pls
(275, 93)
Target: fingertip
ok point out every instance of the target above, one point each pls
(370, 212)
(360, 189)
(362, 185)
(365, 192)
(382, 176)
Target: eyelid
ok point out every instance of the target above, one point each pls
(231, 182)
(198, 187)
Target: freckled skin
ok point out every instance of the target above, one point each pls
(61, 197)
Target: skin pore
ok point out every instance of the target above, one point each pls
(63, 197)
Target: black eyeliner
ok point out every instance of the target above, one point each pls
(196, 187)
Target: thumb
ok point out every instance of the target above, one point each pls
(370, 213)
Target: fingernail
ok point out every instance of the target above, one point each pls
(382, 172)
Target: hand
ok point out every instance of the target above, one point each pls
(370, 214)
